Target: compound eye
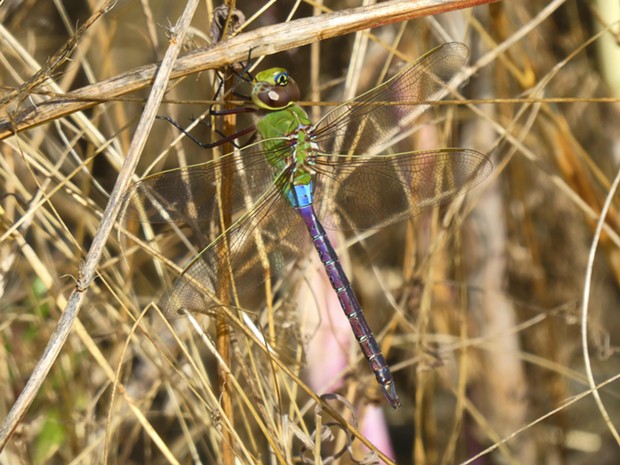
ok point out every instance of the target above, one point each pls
(274, 90)
(281, 79)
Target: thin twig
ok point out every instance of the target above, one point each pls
(584, 308)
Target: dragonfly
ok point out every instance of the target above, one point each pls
(300, 178)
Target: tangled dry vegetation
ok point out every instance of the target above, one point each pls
(499, 325)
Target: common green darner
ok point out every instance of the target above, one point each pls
(301, 176)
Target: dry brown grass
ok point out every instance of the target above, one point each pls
(478, 307)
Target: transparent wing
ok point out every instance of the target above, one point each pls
(192, 194)
(364, 124)
(266, 234)
(373, 192)
(259, 245)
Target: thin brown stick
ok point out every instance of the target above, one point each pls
(264, 41)
(222, 325)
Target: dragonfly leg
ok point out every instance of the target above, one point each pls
(227, 111)
(243, 76)
(210, 145)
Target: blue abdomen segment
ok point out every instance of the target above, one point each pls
(342, 286)
(300, 195)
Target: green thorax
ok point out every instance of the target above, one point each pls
(278, 129)
(283, 126)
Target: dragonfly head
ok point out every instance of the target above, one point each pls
(274, 89)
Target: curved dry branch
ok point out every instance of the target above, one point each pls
(263, 41)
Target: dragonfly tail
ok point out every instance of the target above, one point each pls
(389, 391)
